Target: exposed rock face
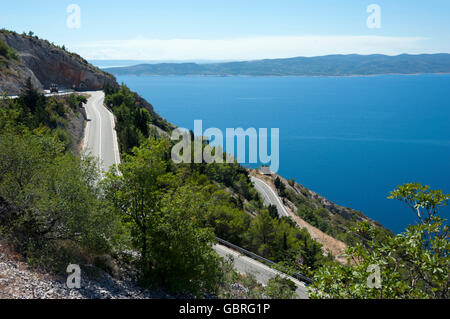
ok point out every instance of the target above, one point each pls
(322, 202)
(45, 64)
(19, 281)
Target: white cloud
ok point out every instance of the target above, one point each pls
(248, 48)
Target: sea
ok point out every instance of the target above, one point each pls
(350, 139)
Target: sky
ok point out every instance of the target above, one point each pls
(233, 30)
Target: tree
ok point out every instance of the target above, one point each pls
(229, 223)
(51, 196)
(413, 264)
(33, 105)
(292, 182)
(164, 215)
(277, 183)
(180, 247)
(312, 253)
(4, 49)
(132, 120)
(280, 288)
(273, 211)
(423, 201)
(134, 193)
(280, 186)
(76, 101)
(261, 234)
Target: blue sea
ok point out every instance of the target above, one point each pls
(350, 139)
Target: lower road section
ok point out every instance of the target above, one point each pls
(262, 273)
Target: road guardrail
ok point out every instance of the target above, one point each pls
(297, 276)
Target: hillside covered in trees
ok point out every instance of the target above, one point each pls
(159, 219)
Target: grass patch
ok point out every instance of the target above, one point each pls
(6, 53)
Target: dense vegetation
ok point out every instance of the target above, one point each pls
(162, 217)
(219, 198)
(55, 211)
(172, 212)
(133, 119)
(49, 198)
(413, 264)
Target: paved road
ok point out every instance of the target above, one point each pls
(269, 196)
(100, 137)
(263, 273)
(101, 141)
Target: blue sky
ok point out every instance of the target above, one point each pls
(245, 29)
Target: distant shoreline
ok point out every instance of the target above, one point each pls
(322, 66)
(277, 76)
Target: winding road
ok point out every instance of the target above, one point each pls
(101, 141)
(262, 273)
(100, 138)
(269, 196)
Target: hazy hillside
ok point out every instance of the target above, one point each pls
(330, 65)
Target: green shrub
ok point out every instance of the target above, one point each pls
(4, 49)
(411, 265)
(7, 52)
(166, 226)
(52, 197)
(76, 101)
(280, 288)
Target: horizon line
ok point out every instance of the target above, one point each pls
(212, 61)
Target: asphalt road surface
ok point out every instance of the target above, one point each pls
(100, 137)
(269, 196)
(262, 273)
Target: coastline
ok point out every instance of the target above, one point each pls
(275, 76)
(369, 150)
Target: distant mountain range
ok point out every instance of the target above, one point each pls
(329, 65)
(104, 64)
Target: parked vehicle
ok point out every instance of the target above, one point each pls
(54, 88)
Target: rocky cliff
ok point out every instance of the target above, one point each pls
(328, 223)
(45, 64)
